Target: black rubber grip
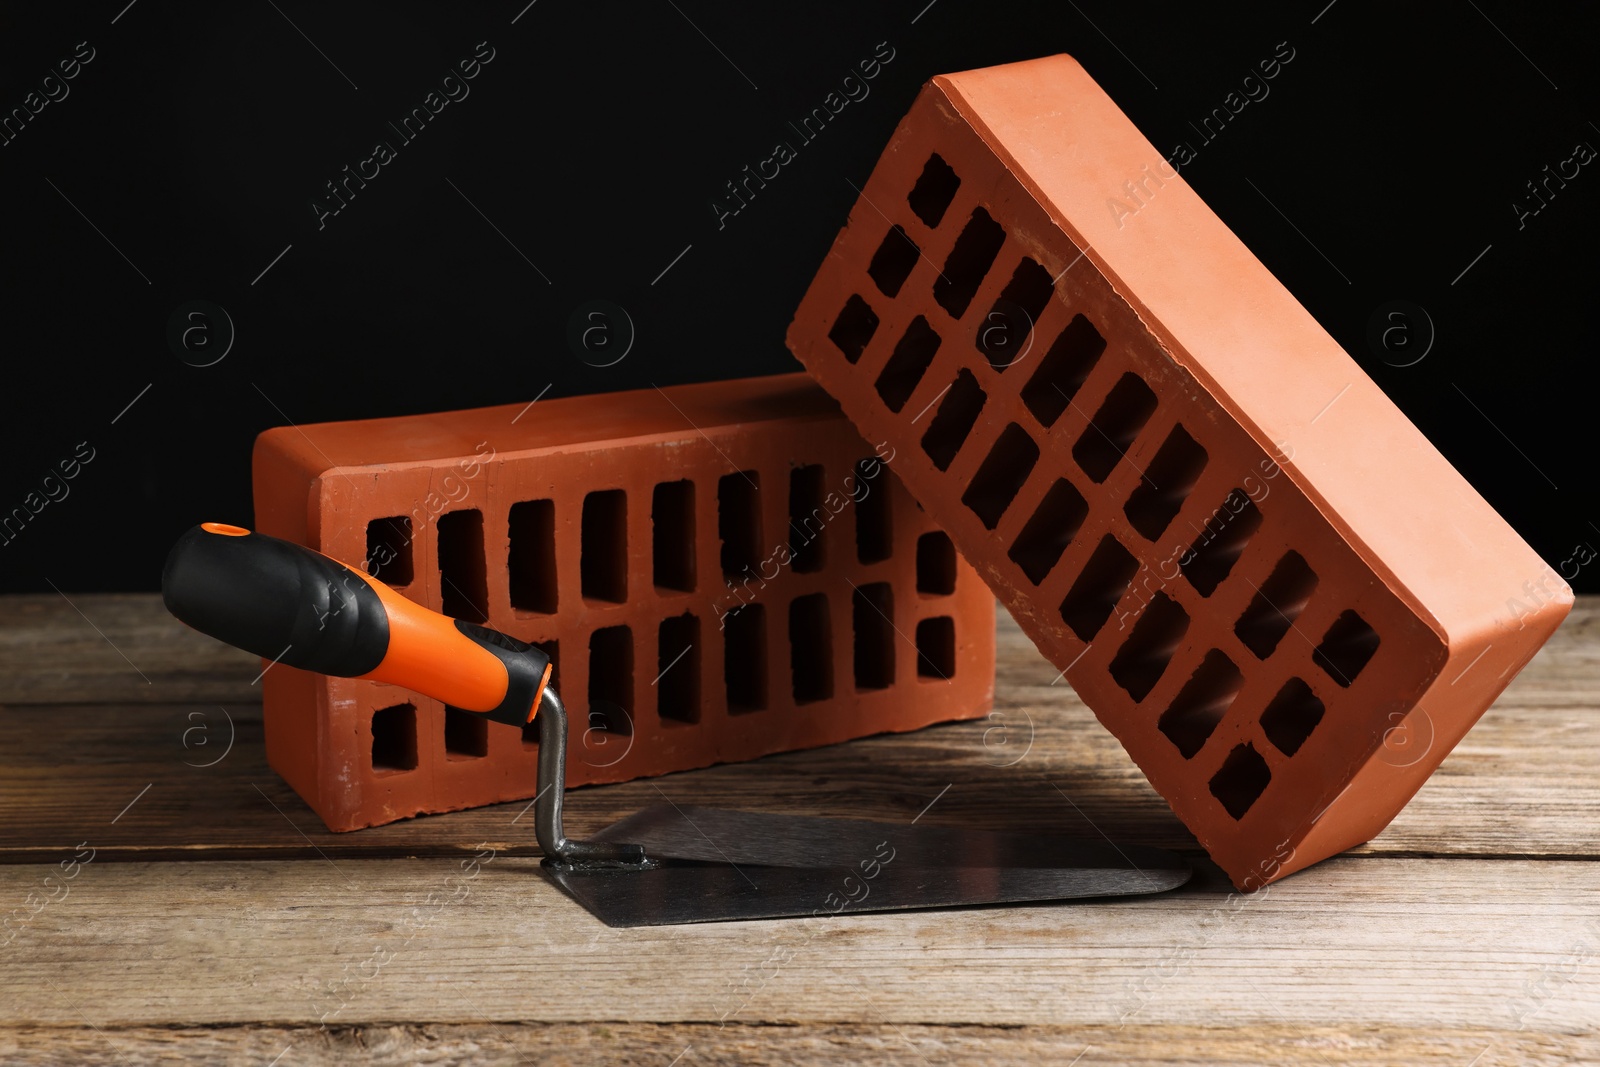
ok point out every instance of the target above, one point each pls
(276, 599)
(525, 668)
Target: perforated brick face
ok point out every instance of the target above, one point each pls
(1190, 498)
(717, 571)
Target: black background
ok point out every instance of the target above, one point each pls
(1392, 149)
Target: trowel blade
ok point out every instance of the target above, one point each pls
(719, 865)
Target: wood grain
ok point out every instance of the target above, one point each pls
(1525, 782)
(1407, 943)
(1468, 933)
(119, 648)
(804, 1045)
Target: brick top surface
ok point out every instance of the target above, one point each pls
(631, 415)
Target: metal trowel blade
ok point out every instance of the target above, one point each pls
(717, 865)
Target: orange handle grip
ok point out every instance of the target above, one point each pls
(429, 655)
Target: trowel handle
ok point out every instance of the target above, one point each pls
(291, 605)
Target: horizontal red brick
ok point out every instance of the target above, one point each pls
(719, 571)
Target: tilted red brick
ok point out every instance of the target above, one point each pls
(1262, 578)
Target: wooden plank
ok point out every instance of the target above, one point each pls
(113, 647)
(1525, 782)
(66, 772)
(806, 1045)
(69, 770)
(1412, 944)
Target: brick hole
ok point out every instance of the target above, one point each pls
(463, 580)
(936, 648)
(530, 730)
(1276, 605)
(1143, 657)
(466, 734)
(969, 261)
(853, 329)
(1004, 334)
(1055, 522)
(389, 550)
(1291, 716)
(739, 521)
(672, 536)
(810, 648)
(1241, 780)
(909, 361)
(1063, 370)
(1201, 703)
(603, 553)
(808, 518)
(874, 511)
(1222, 541)
(744, 658)
(1001, 475)
(678, 669)
(936, 187)
(531, 561)
(394, 739)
(1346, 648)
(892, 262)
(1167, 483)
(1095, 594)
(872, 615)
(936, 564)
(611, 681)
(1114, 427)
(958, 413)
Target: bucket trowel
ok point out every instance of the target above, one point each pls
(666, 864)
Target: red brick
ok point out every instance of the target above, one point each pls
(1170, 394)
(545, 519)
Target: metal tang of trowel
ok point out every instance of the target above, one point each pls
(666, 864)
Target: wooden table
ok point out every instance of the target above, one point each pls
(218, 921)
